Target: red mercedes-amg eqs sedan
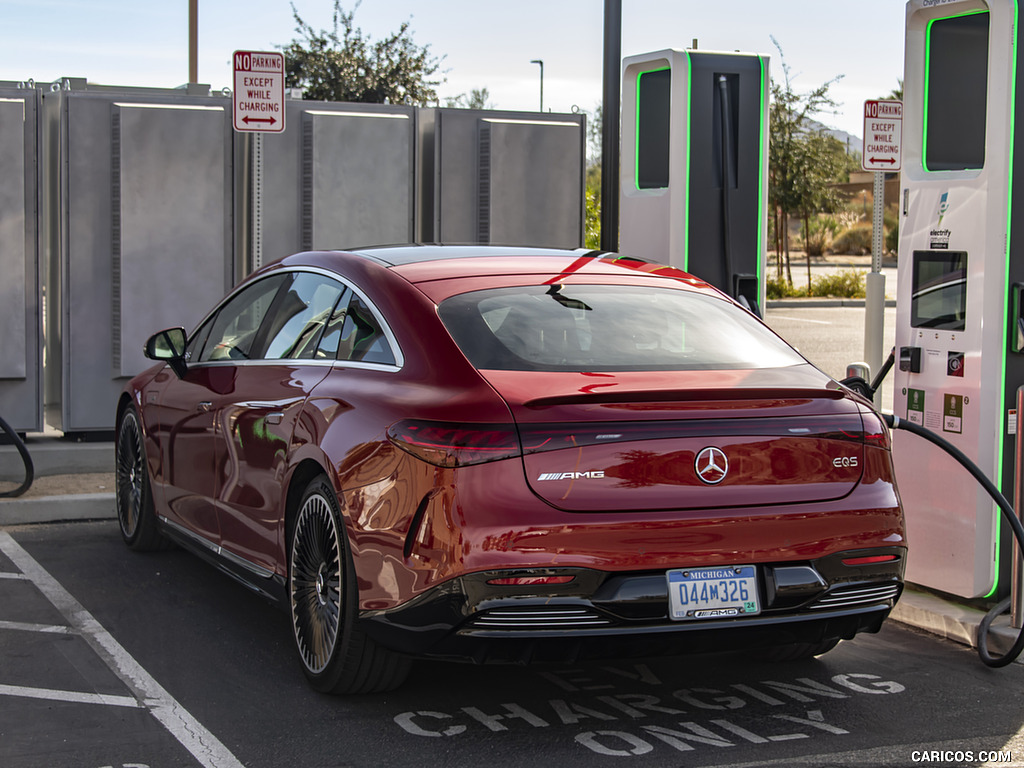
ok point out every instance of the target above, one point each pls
(511, 454)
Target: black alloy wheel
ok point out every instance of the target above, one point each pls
(336, 656)
(316, 583)
(133, 498)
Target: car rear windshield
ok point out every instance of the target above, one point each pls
(608, 328)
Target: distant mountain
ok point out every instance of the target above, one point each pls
(852, 143)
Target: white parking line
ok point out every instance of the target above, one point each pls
(203, 745)
(75, 697)
(23, 627)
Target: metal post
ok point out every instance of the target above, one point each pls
(874, 304)
(257, 202)
(1017, 579)
(541, 62)
(193, 41)
(610, 127)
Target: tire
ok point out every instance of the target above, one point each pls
(133, 495)
(797, 651)
(336, 656)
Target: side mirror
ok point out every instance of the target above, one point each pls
(169, 346)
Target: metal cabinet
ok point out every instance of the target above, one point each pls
(138, 234)
(21, 348)
(340, 176)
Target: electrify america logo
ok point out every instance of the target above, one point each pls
(939, 237)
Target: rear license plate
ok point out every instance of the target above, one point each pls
(712, 593)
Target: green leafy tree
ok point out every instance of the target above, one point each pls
(592, 208)
(820, 161)
(796, 180)
(592, 192)
(342, 64)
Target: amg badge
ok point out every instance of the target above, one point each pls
(571, 475)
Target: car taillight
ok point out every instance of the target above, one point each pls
(870, 560)
(876, 434)
(455, 445)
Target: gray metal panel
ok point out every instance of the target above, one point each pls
(456, 201)
(21, 376)
(13, 248)
(169, 249)
(512, 167)
(534, 195)
(358, 179)
(340, 176)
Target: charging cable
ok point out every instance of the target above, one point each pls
(25, 458)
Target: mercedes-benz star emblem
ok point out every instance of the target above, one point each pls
(712, 466)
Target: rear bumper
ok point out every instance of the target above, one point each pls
(605, 615)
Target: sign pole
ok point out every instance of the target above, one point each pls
(883, 139)
(874, 303)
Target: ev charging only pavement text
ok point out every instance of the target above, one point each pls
(143, 692)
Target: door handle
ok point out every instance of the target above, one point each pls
(275, 418)
(204, 405)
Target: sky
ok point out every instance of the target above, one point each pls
(481, 43)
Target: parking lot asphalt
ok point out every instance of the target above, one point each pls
(114, 658)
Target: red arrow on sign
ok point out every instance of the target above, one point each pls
(248, 120)
(883, 160)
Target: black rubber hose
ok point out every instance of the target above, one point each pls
(1004, 506)
(30, 471)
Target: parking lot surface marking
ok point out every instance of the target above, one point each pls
(148, 693)
(75, 697)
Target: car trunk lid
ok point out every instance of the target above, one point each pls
(685, 440)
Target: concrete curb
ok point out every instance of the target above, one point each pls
(54, 456)
(952, 621)
(53, 509)
(818, 303)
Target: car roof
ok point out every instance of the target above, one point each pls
(400, 255)
(420, 263)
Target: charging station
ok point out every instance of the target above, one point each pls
(960, 314)
(694, 157)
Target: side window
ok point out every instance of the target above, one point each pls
(331, 338)
(234, 329)
(361, 336)
(198, 341)
(299, 317)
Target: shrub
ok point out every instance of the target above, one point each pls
(855, 241)
(778, 288)
(822, 229)
(892, 230)
(848, 284)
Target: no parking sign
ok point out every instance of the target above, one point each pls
(258, 97)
